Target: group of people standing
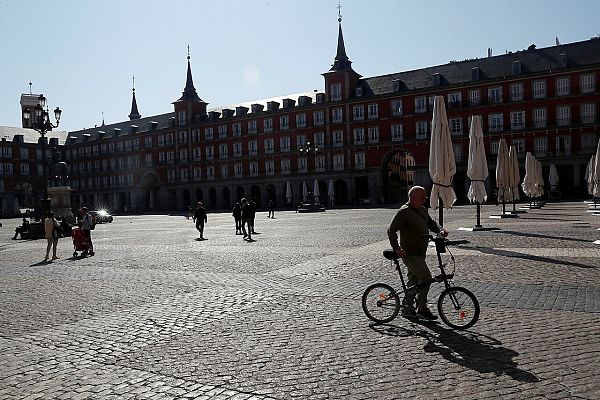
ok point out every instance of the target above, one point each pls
(54, 229)
(244, 215)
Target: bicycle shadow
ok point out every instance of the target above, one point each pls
(478, 352)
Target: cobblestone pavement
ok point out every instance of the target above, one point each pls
(156, 314)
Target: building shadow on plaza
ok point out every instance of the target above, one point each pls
(514, 254)
(478, 352)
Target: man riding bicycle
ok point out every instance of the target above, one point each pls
(414, 223)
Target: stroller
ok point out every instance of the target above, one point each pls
(81, 243)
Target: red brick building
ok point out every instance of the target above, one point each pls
(372, 134)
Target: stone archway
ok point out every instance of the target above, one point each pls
(398, 176)
(255, 195)
(226, 196)
(150, 188)
(240, 193)
(212, 198)
(341, 192)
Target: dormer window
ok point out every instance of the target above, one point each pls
(336, 91)
(516, 67)
(358, 91)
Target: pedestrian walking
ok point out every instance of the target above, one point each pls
(271, 209)
(87, 224)
(246, 219)
(237, 216)
(252, 205)
(52, 232)
(200, 218)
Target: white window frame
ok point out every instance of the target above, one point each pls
(238, 170)
(373, 111)
(253, 169)
(285, 166)
(455, 125)
(397, 108)
(359, 160)
(338, 162)
(301, 120)
(223, 151)
(421, 129)
(587, 83)
(318, 117)
(474, 96)
(563, 86)
(337, 115)
(397, 132)
(269, 146)
(540, 117)
(358, 113)
(540, 146)
(539, 89)
(496, 122)
(495, 94)
(336, 91)
(284, 122)
(563, 115)
(208, 134)
(268, 125)
(252, 147)
(237, 149)
(359, 136)
(319, 139)
(516, 91)
(284, 144)
(269, 167)
(338, 138)
(252, 126)
(588, 113)
(420, 104)
(517, 120)
(373, 133)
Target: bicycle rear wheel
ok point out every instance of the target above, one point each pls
(381, 303)
(458, 308)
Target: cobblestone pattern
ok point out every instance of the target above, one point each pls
(158, 315)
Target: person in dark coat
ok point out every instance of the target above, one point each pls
(271, 209)
(200, 218)
(246, 219)
(237, 216)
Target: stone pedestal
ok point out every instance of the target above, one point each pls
(60, 202)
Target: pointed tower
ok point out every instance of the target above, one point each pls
(134, 114)
(189, 108)
(341, 79)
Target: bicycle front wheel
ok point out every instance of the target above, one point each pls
(458, 308)
(381, 303)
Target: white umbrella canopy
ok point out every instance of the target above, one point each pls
(596, 171)
(553, 177)
(589, 175)
(515, 176)
(330, 191)
(288, 192)
(442, 165)
(528, 184)
(503, 172)
(477, 169)
(316, 192)
(304, 190)
(539, 179)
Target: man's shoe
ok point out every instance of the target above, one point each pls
(409, 313)
(426, 315)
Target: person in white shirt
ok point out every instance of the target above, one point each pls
(51, 228)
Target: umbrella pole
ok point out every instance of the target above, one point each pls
(441, 205)
(478, 216)
(503, 207)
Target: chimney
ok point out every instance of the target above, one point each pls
(116, 132)
(240, 111)
(272, 106)
(256, 108)
(288, 103)
(304, 100)
(214, 114)
(320, 98)
(227, 112)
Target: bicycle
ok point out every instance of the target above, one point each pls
(457, 306)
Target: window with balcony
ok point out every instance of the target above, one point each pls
(210, 152)
(563, 145)
(182, 137)
(195, 137)
(197, 153)
(319, 138)
(252, 126)
(236, 129)
(588, 143)
(373, 135)
(148, 160)
(495, 94)
(587, 83)
(285, 166)
(562, 86)
(539, 89)
(495, 122)
(284, 144)
(541, 146)
(269, 168)
(252, 147)
(319, 117)
(320, 163)
(422, 129)
(519, 146)
(454, 99)
(336, 91)
(237, 149)
(208, 133)
(302, 165)
(373, 111)
(359, 136)
(588, 113)
(210, 173)
(197, 171)
(456, 126)
(397, 133)
(396, 108)
(359, 160)
(420, 104)
(268, 125)
(337, 115)
(300, 141)
(224, 171)
(517, 120)
(474, 96)
(563, 115)
(338, 138)
(284, 122)
(457, 148)
(516, 92)
(358, 113)
(182, 155)
(237, 170)
(494, 145)
(301, 120)
(223, 151)
(540, 118)
(338, 162)
(24, 169)
(269, 146)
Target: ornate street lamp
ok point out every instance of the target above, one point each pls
(310, 150)
(40, 121)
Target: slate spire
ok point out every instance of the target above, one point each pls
(189, 92)
(134, 109)
(341, 61)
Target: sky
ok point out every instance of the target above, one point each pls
(82, 54)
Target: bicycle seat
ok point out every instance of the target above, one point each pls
(390, 254)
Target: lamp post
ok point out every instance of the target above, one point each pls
(310, 150)
(40, 121)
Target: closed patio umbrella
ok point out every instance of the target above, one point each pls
(477, 169)
(539, 181)
(304, 191)
(528, 184)
(442, 165)
(330, 191)
(502, 173)
(316, 192)
(515, 176)
(589, 175)
(596, 171)
(553, 177)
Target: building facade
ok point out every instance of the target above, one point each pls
(371, 134)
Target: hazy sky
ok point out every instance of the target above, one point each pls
(82, 54)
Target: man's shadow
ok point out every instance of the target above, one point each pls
(475, 351)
